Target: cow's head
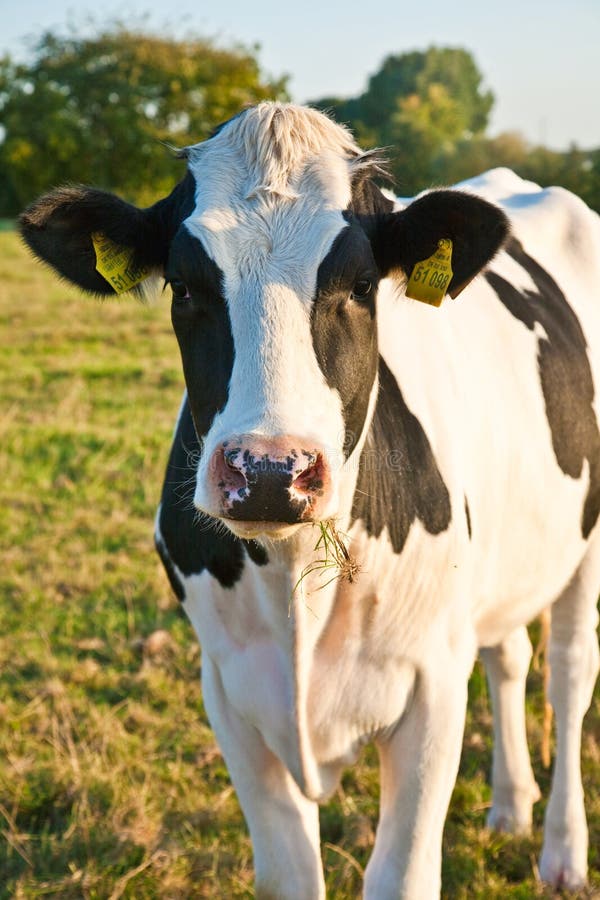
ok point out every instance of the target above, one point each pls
(274, 244)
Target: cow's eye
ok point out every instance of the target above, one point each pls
(362, 290)
(180, 290)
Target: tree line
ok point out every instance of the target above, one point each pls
(106, 109)
(431, 109)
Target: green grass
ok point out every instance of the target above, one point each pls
(111, 783)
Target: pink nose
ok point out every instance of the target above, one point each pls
(282, 479)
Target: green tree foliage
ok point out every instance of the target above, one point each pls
(96, 109)
(577, 170)
(430, 109)
(420, 104)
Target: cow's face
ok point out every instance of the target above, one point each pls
(274, 245)
(274, 291)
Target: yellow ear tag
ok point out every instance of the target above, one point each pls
(114, 263)
(430, 278)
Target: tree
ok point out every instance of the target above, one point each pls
(575, 169)
(472, 156)
(422, 104)
(429, 109)
(96, 109)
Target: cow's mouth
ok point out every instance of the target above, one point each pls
(276, 531)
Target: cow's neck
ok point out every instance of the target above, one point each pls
(304, 602)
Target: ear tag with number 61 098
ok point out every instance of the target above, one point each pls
(114, 263)
(430, 278)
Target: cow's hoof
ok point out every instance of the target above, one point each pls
(563, 867)
(509, 820)
(511, 811)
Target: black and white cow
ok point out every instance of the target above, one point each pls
(457, 448)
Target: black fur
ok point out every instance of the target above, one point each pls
(344, 330)
(398, 480)
(202, 328)
(367, 200)
(203, 331)
(565, 373)
(468, 517)
(194, 544)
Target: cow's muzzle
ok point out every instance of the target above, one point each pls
(280, 481)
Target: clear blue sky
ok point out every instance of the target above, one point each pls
(541, 58)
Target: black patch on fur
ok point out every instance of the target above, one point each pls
(194, 544)
(398, 480)
(58, 227)
(344, 330)
(256, 552)
(203, 331)
(565, 373)
(202, 328)
(367, 199)
(174, 579)
(468, 517)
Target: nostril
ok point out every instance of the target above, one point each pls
(231, 475)
(230, 457)
(311, 479)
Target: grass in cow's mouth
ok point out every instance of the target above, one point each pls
(335, 559)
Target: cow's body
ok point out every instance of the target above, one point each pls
(469, 491)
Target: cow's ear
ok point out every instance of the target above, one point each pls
(74, 227)
(476, 228)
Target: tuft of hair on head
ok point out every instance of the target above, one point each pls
(278, 140)
(372, 164)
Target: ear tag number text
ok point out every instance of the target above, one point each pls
(430, 278)
(115, 264)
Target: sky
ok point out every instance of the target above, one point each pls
(540, 59)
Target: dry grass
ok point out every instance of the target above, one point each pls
(111, 784)
(334, 561)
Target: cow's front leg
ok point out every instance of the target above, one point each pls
(514, 789)
(284, 825)
(419, 764)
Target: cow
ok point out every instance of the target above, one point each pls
(454, 450)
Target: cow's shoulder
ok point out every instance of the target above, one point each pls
(399, 480)
(189, 544)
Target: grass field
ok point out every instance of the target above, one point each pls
(111, 783)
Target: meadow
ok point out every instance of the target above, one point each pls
(111, 782)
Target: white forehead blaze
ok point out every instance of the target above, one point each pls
(271, 188)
